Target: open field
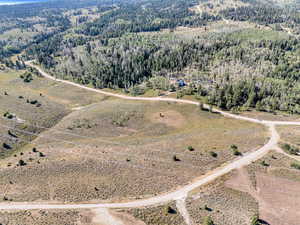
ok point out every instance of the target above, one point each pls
(138, 148)
(236, 29)
(214, 7)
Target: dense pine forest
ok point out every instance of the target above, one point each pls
(233, 54)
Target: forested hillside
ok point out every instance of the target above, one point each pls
(233, 54)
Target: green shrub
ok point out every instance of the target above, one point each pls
(290, 149)
(263, 163)
(295, 166)
(213, 154)
(190, 148)
(254, 220)
(21, 163)
(208, 221)
(235, 150)
(6, 146)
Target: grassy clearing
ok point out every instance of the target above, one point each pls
(259, 34)
(214, 7)
(211, 31)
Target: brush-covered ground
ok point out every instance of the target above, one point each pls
(267, 188)
(28, 107)
(165, 214)
(222, 204)
(45, 217)
(115, 149)
(290, 134)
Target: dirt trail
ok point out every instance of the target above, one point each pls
(171, 196)
(227, 114)
(163, 198)
(103, 217)
(181, 207)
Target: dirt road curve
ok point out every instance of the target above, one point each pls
(183, 191)
(265, 122)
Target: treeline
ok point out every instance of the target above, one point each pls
(129, 61)
(263, 14)
(53, 7)
(262, 94)
(150, 16)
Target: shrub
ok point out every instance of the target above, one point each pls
(295, 166)
(137, 90)
(10, 133)
(169, 210)
(190, 148)
(207, 208)
(201, 106)
(234, 147)
(27, 77)
(8, 115)
(208, 221)
(6, 146)
(290, 149)
(263, 163)
(254, 220)
(21, 163)
(235, 150)
(175, 158)
(213, 154)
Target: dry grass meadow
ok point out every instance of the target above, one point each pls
(99, 148)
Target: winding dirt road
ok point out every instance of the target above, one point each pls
(179, 194)
(227, 114)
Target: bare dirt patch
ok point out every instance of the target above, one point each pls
(126, 218)
(169, 118)
(274, 185)
(279, 200)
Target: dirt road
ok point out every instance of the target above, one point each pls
(163, 198)
(179, 194)
(227, 114)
